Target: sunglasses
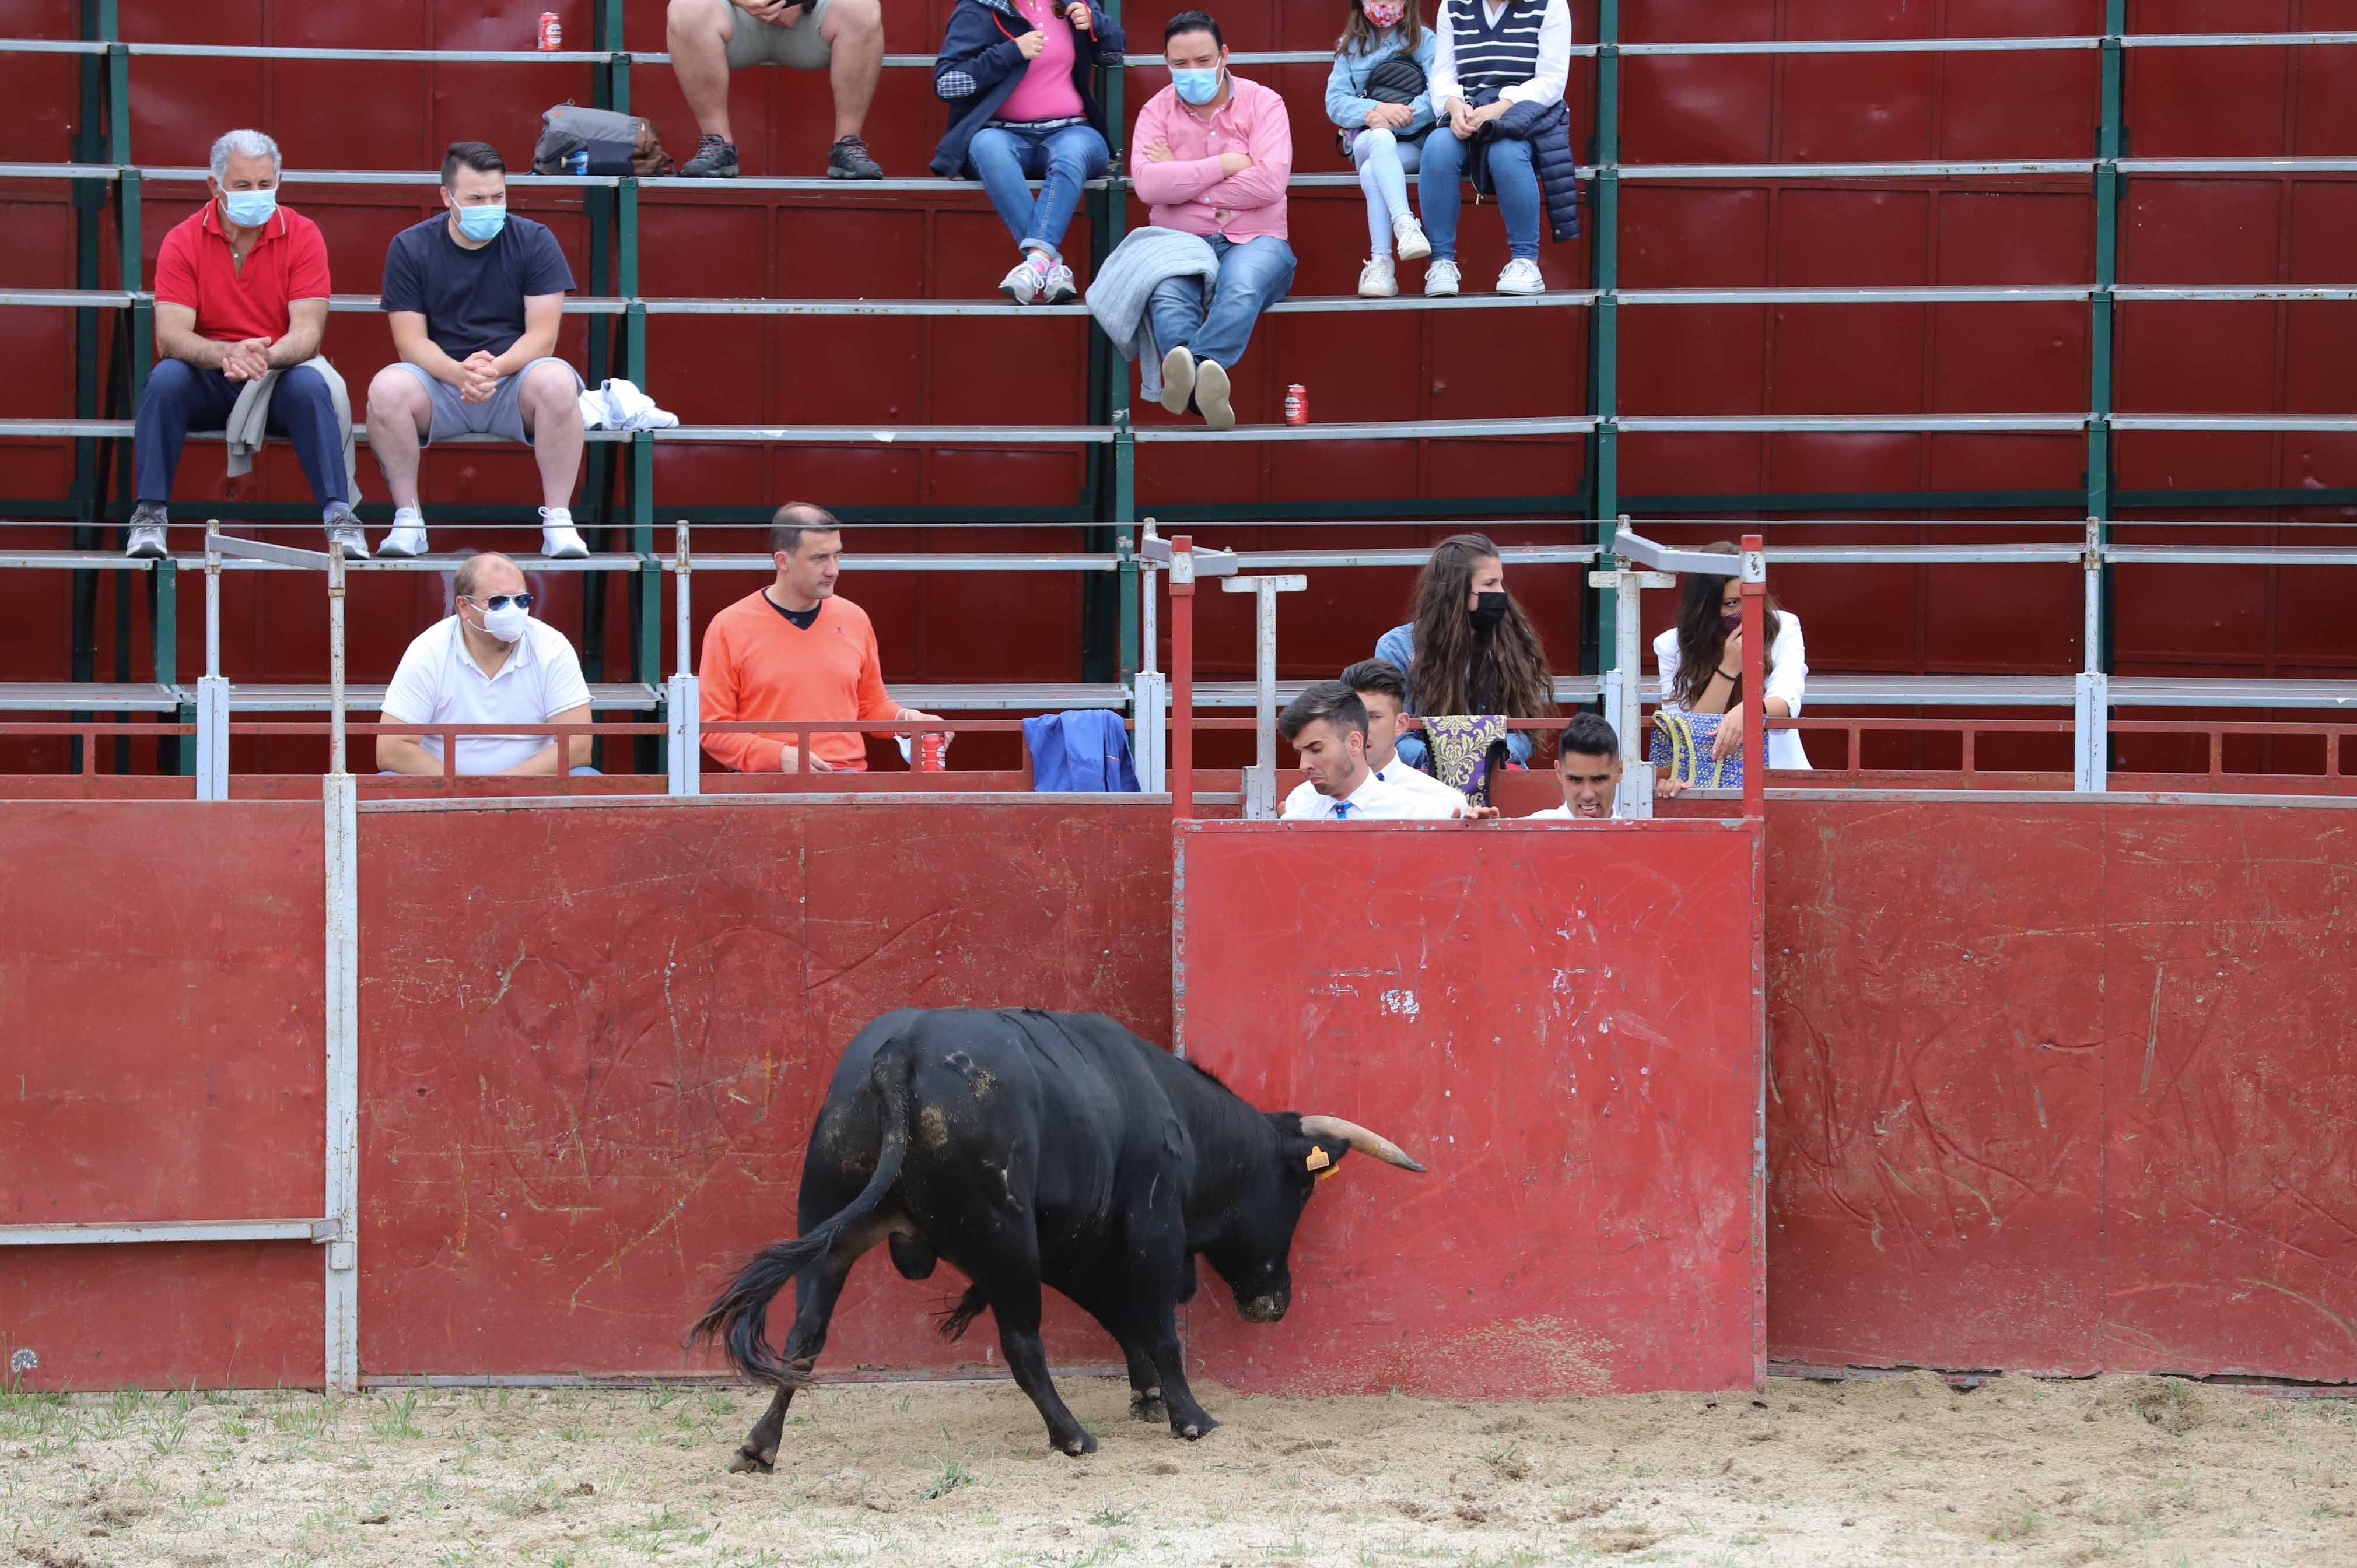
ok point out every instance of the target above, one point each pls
(502, 601)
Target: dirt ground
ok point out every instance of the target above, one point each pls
(2128, 1471)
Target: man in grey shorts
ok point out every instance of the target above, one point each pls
(475, 298)
(709, 38)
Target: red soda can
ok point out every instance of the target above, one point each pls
(552, 31)
(934, 752)
(1297, 404)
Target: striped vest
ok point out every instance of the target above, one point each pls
(1494, 58)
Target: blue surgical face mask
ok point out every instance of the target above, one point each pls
(1197, 87)
(250, 209)
(482, 222)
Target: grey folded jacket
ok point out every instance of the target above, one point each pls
(251, 418)
(1127, 280)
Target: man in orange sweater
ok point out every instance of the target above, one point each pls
(795, 651)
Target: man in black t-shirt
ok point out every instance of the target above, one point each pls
(475, 298)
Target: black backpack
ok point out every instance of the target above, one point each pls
(1398, 79)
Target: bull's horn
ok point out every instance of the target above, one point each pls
(1358, 1138)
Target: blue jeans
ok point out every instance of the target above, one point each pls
(1004, 157)
(1384, 163)
(1510, 171)
(1253, 276)
(180, 398)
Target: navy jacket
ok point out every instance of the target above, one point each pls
(1086, 749)
(979, 65)
(1547, 127)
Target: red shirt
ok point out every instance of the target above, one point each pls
(232, 303)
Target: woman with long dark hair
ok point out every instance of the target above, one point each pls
(1470, 649)
(1702, 662)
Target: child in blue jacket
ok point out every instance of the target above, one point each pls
(1388, 139)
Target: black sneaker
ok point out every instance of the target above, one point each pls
(714, 160)
(848, 160)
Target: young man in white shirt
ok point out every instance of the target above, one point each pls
(1588, 765)
(1327, 726)
(1382, 691)
(489, 663)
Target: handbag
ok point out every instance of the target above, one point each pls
(1398, 79)
(1467, 752)
(1682, 743)
(597, 141)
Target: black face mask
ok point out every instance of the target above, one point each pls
(1730, 624)
(1488, 609)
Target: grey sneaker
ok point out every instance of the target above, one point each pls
(714, 158)
(145, 538)
(344, 529)
(1024, 283)
(1211, 395)
(1062, 289)
(1177, 379)
(848, 160)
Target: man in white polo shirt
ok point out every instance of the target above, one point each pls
(1588, 765)
(1327, 726)
(489, 663)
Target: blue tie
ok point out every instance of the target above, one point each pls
(1341, 810)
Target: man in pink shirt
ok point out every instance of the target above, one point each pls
(1214, 155)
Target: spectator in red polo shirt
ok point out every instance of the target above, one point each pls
(240, 301)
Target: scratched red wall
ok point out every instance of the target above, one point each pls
(593, 1040)
(160, 1043)
(2062, 1088)
(1498, 1003)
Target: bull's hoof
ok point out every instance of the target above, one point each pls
(1201, 1426)
(748, 1463)
(1147, 1406)
(1077, 1446)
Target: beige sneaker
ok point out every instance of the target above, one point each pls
(1378, 279)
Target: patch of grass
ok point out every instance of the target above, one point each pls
(1110, 1519)
(396, 1418)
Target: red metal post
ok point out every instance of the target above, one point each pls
(1755, 707)
(1182, 677)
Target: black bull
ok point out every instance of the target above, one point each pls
(1029, 1148)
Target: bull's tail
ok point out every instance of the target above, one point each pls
(739, 1317)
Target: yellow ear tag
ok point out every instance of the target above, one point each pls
(1329, 1171)
(1319, 1159)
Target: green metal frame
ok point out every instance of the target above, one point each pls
(2111, 145)
(1604, 336)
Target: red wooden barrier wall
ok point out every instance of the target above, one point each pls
(1565, 1026)
(161, 1058)
(593, 1041)
(2064, 1088)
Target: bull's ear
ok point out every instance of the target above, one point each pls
(1322, 1157)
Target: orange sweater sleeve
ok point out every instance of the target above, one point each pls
(874, 702)
(722, 683)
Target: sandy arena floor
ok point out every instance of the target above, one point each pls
(2127, 1471)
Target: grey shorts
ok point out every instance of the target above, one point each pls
(752, 42)
(502, 415)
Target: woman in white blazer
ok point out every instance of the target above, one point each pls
(1702, 663)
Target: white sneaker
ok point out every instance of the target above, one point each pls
(1063, 287)
(1177, 379)
(408, 536)
(1027, 279)
(1440, 280)
(1378, 279)
(1212, 394)
(1521, 276)
(559, 540)
(346, 531)
(1408, 235)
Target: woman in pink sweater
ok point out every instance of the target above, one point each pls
(1020, 78)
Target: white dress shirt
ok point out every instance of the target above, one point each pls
(1374, 801)
(438, 681)
(1552, 815)
(1397, 773)
(1553, 65)
(1789, 680)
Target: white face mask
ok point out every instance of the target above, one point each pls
(506, 623)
